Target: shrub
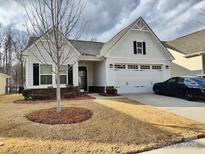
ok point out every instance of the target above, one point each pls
(49, 93)
(21, 90)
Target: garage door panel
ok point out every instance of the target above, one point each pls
(136, 81)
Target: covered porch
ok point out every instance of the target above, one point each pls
(91, 74)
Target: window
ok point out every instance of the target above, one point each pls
(172, 81)
(181, 80)
(156, 67)
(139, 47)
(46, 74)
(144, 67)
(63, 74)
(120, 66)
(133, 67)
(190, 82)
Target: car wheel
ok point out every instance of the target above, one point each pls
(189, 96)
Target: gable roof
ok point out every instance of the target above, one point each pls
(31, 40)
(100, 48)
(115, 39)
(84, 47)
(124, 31)
(189, 44)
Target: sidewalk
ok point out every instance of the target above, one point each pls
(192, 147)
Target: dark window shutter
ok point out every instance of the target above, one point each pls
(35, 74)
(135, 47)
(144, 48)
(70, 75)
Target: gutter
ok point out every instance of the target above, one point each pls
(195, 54)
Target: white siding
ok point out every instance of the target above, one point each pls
(34, 56)
(2, 84)
(123, 52)
(100, 73)
(124, 48)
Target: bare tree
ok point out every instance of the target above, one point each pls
(8, 54)
(55, 21)
(20, 41)
(1, 38)
(7, 46)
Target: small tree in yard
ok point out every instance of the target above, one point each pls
(55, 21)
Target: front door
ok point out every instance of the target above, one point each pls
(82, 78)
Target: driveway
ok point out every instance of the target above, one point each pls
(193, 110)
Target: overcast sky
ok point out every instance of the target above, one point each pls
(168, 18)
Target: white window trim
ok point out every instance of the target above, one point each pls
(45, 74)
(65, 74)
(140, 47)
(123, 65)
(146, 65)
(157, 67)
(132, 66)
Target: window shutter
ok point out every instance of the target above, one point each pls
(36, 74)
(70, 75)
(135, 47)
(144, 48)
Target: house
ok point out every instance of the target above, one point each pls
(132, 61)
(189, 54)
(3, 78)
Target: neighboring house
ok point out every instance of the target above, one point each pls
(3, 78)
(189, 54)
(132, 61)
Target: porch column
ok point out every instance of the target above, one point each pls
(75, 74)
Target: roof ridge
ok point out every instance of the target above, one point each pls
(85, 41)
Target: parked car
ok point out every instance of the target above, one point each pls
(190, 88)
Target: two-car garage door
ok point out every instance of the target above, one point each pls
(137, 78)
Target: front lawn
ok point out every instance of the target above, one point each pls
(116, 126)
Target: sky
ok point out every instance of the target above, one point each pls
(169, 19)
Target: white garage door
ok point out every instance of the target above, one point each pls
(136, 78)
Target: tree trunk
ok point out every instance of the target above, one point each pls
(22, 74)
(58, 92)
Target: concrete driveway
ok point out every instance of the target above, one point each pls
(193, 110)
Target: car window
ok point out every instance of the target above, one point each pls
(172, 81)
(181, 81)
(190, 82)
(199, 81)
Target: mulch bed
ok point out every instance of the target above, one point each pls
(81, 97)
(69, 115)
(107, 94)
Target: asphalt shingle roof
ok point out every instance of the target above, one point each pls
(87, 47)
(84, 47)
(189, 44)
